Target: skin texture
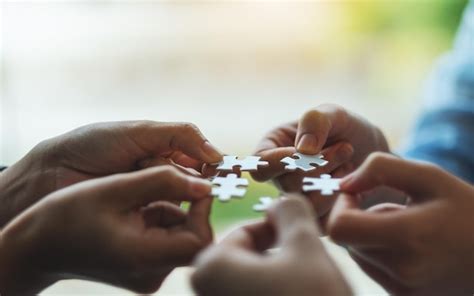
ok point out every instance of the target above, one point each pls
(123, 230)
(344, 138)
(99, 150)
(239, 264)
(423, 248)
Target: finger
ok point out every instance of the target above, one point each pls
(317, 125)
(186, 161)
(158, 161)
(275, 167)
(282, 136)
(348, 225)
(163, 214)
(159, 138)
(381, 169)
(257, 237)
(159, 183)
(295, 225)
(198, 219)
(209, 170)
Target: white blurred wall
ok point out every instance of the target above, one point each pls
(235, 69)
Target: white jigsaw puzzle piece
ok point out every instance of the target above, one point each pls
(264, 204)
(304, 162)
(228, 187)
(249, 163)
(325, 184)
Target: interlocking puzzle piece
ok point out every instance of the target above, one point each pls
(304, 162)
(229, 186)
(264, 204)
(325, 183)
(249, 163)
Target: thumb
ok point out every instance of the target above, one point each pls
(295, 225)
(317, 125)
(156, 137)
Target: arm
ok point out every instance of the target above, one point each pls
(443, 134)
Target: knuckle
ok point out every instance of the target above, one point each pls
(189, 128)
(377, 159)
(168, 172)
(428, 167)
(142, 124)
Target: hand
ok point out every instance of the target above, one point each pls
(99, 150)
(345, 140)
(238, 265)
(122, 230)
(424, 248)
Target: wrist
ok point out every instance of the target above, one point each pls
(24, 183)
(20, 272)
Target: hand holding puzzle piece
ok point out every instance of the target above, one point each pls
(233, 186)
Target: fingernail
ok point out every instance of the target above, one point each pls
(200, 186)
(308, 144)
(211, 151)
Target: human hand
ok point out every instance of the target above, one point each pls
(123, 230)
(424, 248)
(99, 150)
(239, 266)
(344, 138)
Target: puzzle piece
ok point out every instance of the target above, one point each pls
(229, 186)
(263, 205)
(249, 163)
(304, 162)
(324, 183)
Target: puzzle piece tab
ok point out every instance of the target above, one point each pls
(264, 204)
(249, 163)
(324, 183)
(304, 162)
(229, 186)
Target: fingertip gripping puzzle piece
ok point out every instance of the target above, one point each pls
(304, 162)
(228, 187)
(249, 163)
(324, 183)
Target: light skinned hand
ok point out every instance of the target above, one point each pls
(99, 150)
(122, 230)
(344, 138)
(239, 264)
(423, 248)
